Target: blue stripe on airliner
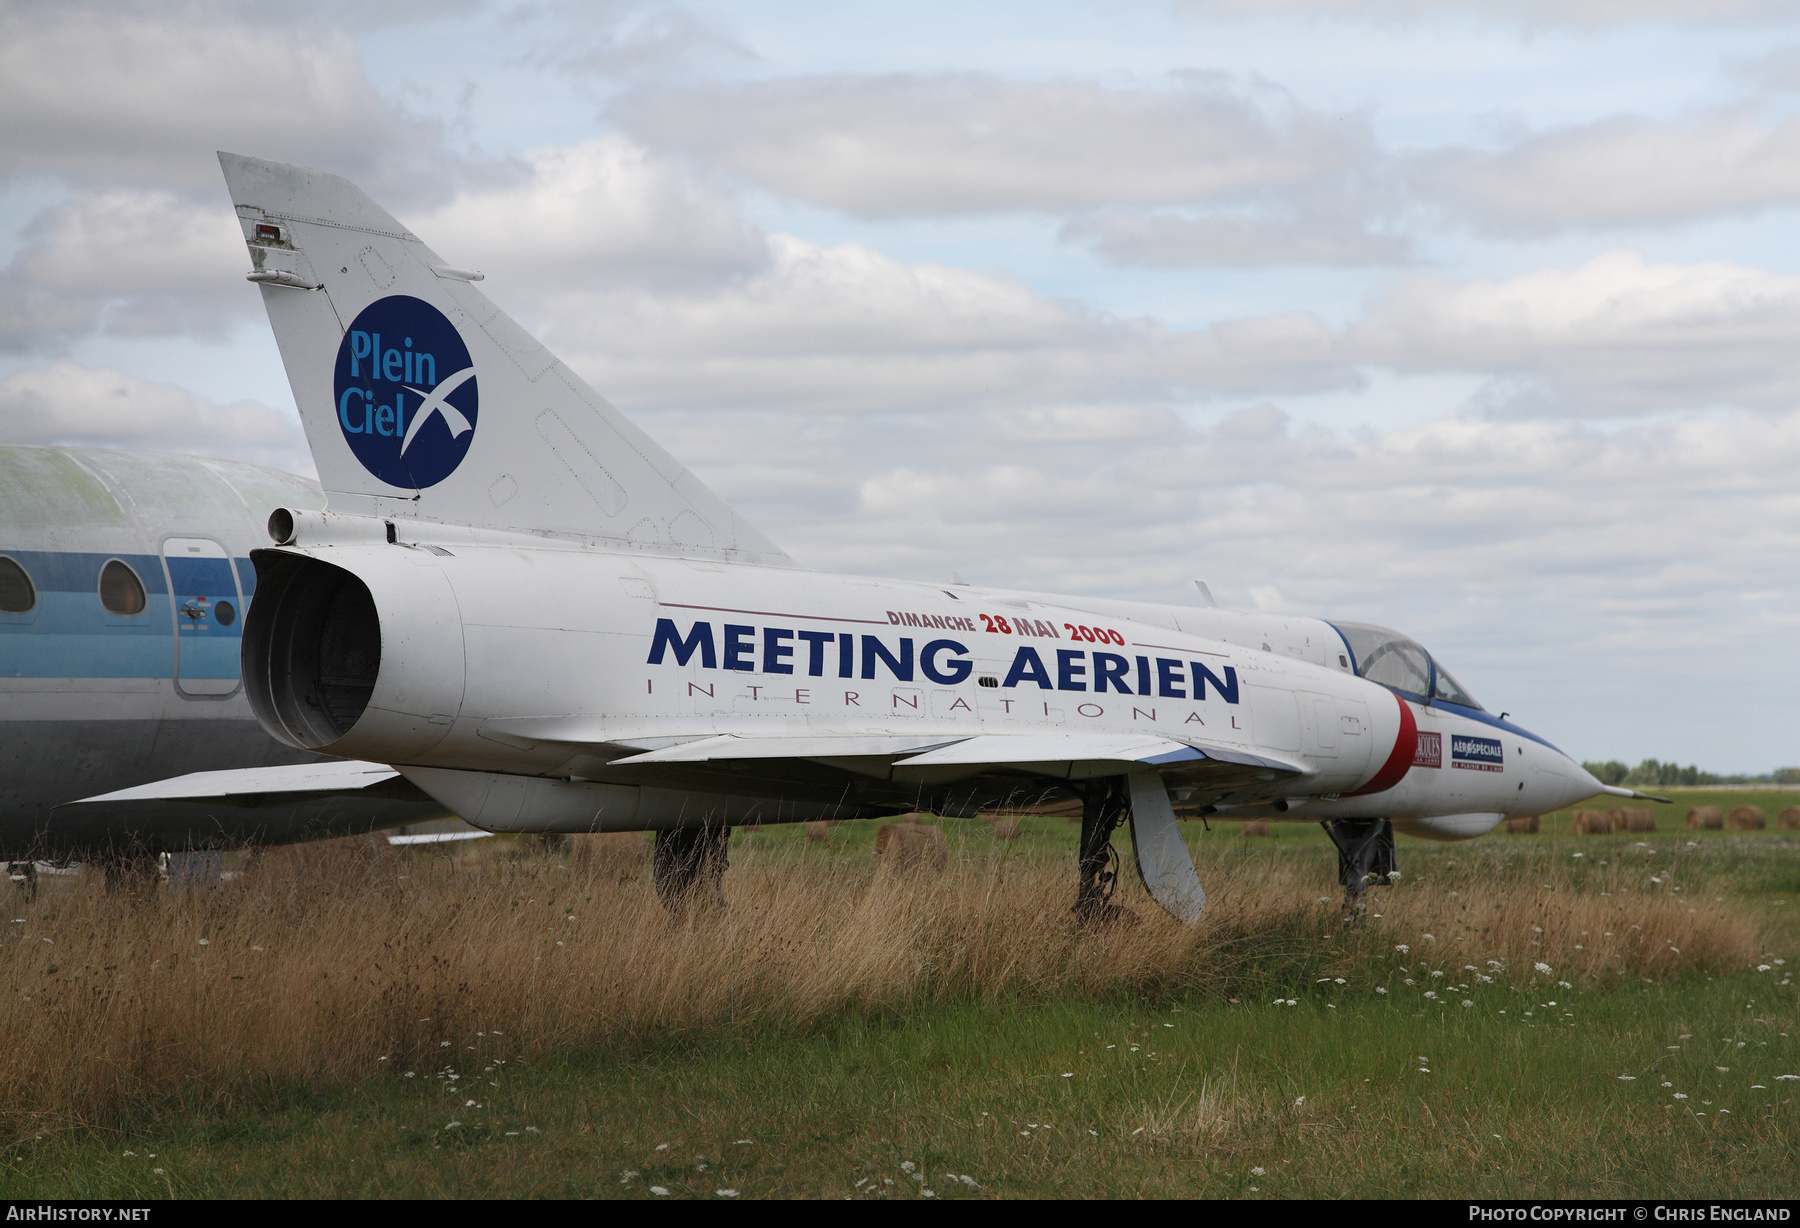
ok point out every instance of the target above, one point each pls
(103, 655)
(73, 572)
(68, 634)
(82, 614)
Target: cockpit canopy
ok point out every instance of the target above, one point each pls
(1400, 663)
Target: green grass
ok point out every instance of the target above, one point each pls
(1513, 1106)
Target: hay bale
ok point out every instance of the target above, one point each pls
(818, 831)
(911, 846)
(1705, 818)
(1522, 825)
(1641, 818)
(1789, 819)
(1006, 829)
(1593, 822)
(1616, 817)
(617, 854)
(1747, 818)
(1256, 827)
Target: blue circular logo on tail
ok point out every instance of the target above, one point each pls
(405, 391)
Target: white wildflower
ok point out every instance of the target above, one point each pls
(1403, 948)
(658, 1190)
(1259, 1172)
(726, 1193)
(1543, 968)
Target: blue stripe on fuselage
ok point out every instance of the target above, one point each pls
(1476, 714)
(68, 634)
(67, 571)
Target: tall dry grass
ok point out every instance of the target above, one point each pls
(319, 961)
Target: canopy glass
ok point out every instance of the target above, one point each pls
(1401, 663)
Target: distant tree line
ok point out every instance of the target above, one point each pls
(1653, 772)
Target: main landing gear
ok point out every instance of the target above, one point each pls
(1106, 804)
(24, 874)
(1365, 850)
(689, 867)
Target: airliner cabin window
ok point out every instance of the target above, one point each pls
(17, 595)
(121, 592)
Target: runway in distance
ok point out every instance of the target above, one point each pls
(539, 618)
(124, 579)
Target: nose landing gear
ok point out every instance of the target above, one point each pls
(689, 867)
(1365, 849)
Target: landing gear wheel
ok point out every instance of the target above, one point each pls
(1365, 850)
(24, 873)
(137, 874)
(1103, 808)
(689, 867)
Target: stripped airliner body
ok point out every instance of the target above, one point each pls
(538, 618)
(124, 578)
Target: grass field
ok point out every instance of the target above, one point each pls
(488, 1021)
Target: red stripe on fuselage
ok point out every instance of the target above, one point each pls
(1399, 760)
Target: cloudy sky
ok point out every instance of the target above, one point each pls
(1477, 318)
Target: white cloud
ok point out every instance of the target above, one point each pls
(123, 93)
(70, 405)
(1617, 334)
(124, 262)
(1581, 14)
(846, 328)
(626, 39)
(888, 146)
(1236, 240)
(600, 213)
(1626, 170)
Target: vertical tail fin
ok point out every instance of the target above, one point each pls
(420, 398)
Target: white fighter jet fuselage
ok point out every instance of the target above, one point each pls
(627, 691)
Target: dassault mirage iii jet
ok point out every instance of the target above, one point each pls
(534, 615)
